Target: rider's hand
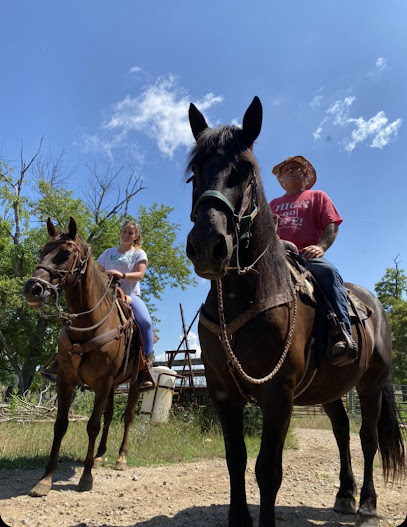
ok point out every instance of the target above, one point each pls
(313, 251)
(116, 274)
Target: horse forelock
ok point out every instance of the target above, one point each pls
(229, 138)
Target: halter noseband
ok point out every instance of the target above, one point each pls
(241, 222)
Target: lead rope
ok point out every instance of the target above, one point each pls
(226, 343)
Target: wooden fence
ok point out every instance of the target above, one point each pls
(195, 375)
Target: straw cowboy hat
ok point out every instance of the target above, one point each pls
(311, 175)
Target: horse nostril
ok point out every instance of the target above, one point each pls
(190, 250)
(36, 290)
(220, 249)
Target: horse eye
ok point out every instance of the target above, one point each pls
(61, 256)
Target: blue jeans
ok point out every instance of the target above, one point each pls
(143, 319)
(331, 284)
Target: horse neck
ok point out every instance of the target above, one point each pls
(269, 277)
(86, 294)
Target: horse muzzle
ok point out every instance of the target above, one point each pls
(209, 250)
(36, 292)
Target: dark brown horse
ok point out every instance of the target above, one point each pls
(93, 346)
(256, 329)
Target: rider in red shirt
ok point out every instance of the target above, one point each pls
(309, 219)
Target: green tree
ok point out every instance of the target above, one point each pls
(29, 194)
(392, 292)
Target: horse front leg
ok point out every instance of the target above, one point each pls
(93, 428)
(345, 502)
(64, 397)
(277, 408)
(134, 394)
(231, 418)
(107, 420)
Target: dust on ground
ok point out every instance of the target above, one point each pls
(195, 494)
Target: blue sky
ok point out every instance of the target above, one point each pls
(111, 82)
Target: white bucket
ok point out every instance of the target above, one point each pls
(156, 403)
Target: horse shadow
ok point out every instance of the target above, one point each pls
(300, 516)
(29, 478)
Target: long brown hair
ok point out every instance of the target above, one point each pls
(138, 242)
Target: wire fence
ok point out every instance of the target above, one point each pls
(352, 404)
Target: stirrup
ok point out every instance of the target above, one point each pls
(146, 381)
(344, 349)
(49, 370)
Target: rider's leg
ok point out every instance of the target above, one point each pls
(143, 319)
(332, 286)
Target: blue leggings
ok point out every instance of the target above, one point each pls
(331, 284)
(143, 319)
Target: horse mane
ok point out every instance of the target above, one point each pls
(271, 276)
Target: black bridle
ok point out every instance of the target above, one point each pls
(242, 222)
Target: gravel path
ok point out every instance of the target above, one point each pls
(195, 494)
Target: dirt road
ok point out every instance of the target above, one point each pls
(195, 494)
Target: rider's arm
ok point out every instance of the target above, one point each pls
(326, 240)
(137, 274)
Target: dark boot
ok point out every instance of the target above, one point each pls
(344, 349)
(49, 370)
(145, 377)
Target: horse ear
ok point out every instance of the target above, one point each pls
(196, 120)
(72, 228)
(51, 228)
(252, 121)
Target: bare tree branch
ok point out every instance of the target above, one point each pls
(101, 187)
(52, 169)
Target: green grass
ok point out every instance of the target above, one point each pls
(322, 422)
(186, 437)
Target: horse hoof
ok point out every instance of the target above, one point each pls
(41, 489)
(97, 462)
(367, 521)
(243, 520)
(85, 483)
(120, 465)
(345, 505)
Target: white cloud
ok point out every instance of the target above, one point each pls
(340, 111)
(377, 130)
(160, 112)
(135, 69)
(316, 101)
(108, 144)
(381, 64)
(193, 343)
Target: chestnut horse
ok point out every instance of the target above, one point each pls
(256, 330)
(93, 347)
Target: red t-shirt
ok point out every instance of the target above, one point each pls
(304, 216)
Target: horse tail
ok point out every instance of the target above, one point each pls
(391, 438)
